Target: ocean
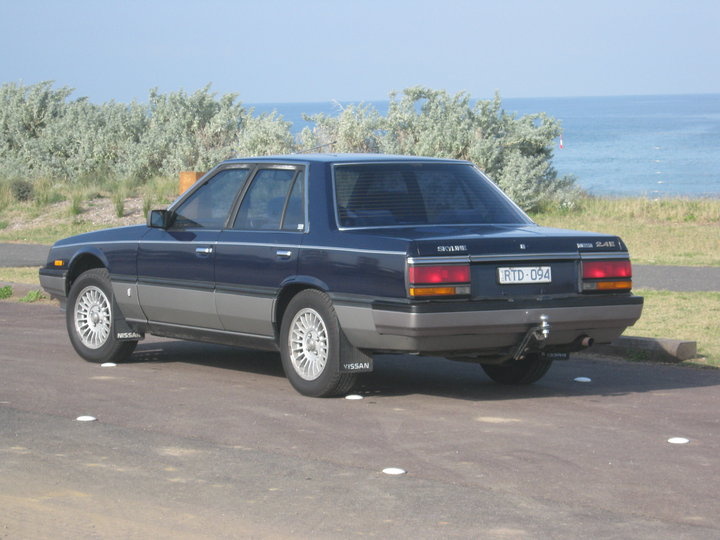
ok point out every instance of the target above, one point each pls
(652, 146)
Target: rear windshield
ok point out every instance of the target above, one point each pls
(386, 195)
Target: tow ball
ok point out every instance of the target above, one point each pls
(539, 333)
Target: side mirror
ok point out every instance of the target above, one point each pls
(159, 219)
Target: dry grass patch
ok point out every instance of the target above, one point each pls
(27, 275)
(684, 232)
(691, 316)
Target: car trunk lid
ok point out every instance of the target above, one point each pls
(512, 262)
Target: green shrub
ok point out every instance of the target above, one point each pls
(22, 190)
(33, 296)
(118, 200)
(76, 200)
(147, 206)
(5, 292)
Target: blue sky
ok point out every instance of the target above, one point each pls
(316, 50)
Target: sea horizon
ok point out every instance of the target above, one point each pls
(653, 145)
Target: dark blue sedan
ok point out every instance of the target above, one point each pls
(330, 259)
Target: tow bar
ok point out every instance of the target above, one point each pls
(539, 333)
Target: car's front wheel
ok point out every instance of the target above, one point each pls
(525, 371)
(310, 344)
(89, 318)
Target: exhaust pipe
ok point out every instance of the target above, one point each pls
(587, 341)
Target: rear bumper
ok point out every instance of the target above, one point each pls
(485, 327)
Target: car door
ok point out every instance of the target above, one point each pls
(176, 265)
(259, 251)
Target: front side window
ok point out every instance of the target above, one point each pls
(274, 201)
(208, 207)
(379, 194)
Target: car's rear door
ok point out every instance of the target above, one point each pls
(258, 252)
(176, 265)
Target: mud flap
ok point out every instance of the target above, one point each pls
(121, 329)
(353, 360)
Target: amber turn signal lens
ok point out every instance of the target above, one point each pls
(432, 291)
(608, 286)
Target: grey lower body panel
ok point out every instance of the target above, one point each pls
(183, 312)
(54, 285)
(479, 331)
(182, 306)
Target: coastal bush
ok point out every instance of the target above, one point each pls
(515, 152)
(47, 136)
(263, 135)
(357, 128)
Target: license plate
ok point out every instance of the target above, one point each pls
(512, 275)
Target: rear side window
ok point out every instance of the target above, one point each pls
(377, 195)
(274, 201)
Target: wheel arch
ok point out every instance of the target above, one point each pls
(289, 290)
(82, 262)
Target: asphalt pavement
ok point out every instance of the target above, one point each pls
(670, 278)
(195, 441)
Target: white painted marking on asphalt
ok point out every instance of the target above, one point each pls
(678, 440)
(86, 418)
(394, 471)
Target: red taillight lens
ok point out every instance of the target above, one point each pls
(439, 274)
(454, 280)
(609, 276)
(606, 269)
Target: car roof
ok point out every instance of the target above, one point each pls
(340, 158)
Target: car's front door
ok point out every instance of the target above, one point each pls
(176, 265)
(259, 251)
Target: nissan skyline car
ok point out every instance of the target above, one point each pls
(333, 258)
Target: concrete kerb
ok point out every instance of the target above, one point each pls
(651, 349)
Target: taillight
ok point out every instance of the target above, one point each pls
(611, 275)
(439, 280)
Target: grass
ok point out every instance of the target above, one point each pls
(683, 232)
(33, 296)
(58, 220)
(689, 316)
(27, 275)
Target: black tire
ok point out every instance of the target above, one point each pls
(310, 344)
(530, 369)
(89, 318)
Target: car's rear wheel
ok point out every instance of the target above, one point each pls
(310, 339)
(89, 318)
(528, 370)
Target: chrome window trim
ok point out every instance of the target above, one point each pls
(605, 255)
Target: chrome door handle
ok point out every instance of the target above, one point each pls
(283, 254)
(203, 250)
